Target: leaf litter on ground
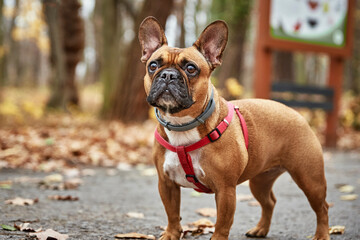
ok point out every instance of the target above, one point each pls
(22, 201)
(49, 234)
(134, 235)
(63, 198)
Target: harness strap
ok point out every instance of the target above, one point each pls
(183, 151)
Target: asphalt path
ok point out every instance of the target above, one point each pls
(108, 195)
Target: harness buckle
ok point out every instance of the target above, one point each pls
(214, 138)
(193, 178)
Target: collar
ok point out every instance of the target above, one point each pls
(192, 124)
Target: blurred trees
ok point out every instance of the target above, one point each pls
(28, 45)
(66, 33)
(129, 102)
(2, 46)
(236, 13)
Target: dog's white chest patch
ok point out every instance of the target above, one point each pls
(172, 166)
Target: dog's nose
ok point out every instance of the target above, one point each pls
(169, 74)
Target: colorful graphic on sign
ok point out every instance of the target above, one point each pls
(320, 22)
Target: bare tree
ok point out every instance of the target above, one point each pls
(66, 32)
(129, 102)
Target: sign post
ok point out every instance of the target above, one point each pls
(318, 26)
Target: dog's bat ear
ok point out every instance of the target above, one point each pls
(151, 37)
(212, 42)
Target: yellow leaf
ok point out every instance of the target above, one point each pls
(337, 229)
(234, 87)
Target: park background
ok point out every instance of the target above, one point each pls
(71, 82)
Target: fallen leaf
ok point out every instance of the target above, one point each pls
(244, 197)
(346, 189)
(21, 201)
(199, 227)
(337, 229)
(5, 186)
(73, 183)
(25, 227)
(53, 178)
(349, 197)
(254, 204)
(203, 222)
(63, 198)
(134, 235)
(49, 234)
(207, 212)
(135, 215)
(8, 228)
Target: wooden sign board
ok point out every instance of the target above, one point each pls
(320, 26)
(308, 25)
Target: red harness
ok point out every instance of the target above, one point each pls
(182, 151)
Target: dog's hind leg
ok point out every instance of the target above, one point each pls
(310, 177)
(261, 188)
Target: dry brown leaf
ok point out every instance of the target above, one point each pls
(244, 197)
(53, 178)
(135, 215)
(49, 234)
(199, 227)
(25, 227)
(349, 197)
(134, 235)
(203, 222)
(73, 183)
(337, 229)
(21, 201)
(207, 212)
(63, 198)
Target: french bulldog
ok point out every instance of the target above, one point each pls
(207, 143)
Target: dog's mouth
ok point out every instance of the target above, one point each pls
(169, 92)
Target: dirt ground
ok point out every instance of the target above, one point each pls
(109, 194)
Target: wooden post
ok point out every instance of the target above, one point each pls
(263, 66)
(335, 80)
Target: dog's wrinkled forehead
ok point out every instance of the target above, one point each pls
(171, 56)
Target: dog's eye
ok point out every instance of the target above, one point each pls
(152, 66)
(191, 68)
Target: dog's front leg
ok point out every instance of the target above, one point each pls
(225, 206)
(170, 196)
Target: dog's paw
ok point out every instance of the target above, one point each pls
(166, 235)
(257, 232)
(327, 237)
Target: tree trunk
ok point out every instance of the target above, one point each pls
(73, 45)
(66, 32)
(2, 47)
(107, 27)
(354, 62)
(57, 58)
(129, 100)
(237, 15)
